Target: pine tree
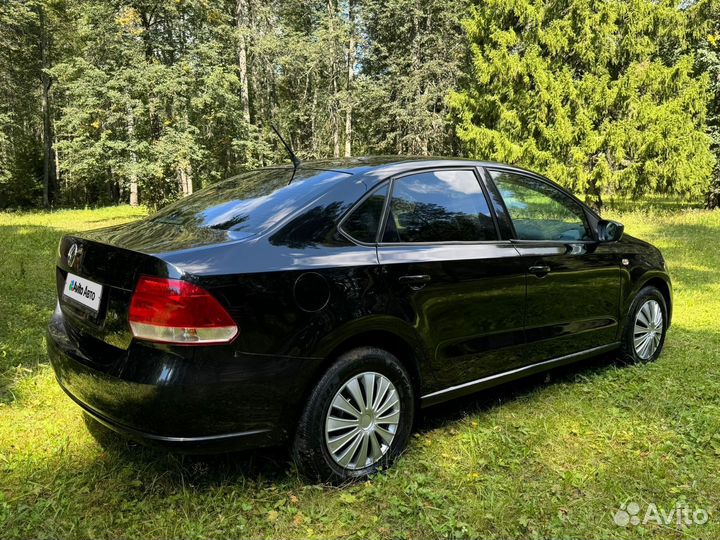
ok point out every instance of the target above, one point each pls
(705, 19)
(600, 96)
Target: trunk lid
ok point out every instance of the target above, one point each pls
(103, 333)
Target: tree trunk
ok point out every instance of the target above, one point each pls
(313, 116)
(241, 23)
(189, 179)
(182, 182)
(112, 188)
(334, 116)
(133, 158)
(713, 196)
(593, 192)
(335, 122)
(58, 176)
(133, 191)
(350, 77)
(594, 196)
(48, 162)
(184, 173)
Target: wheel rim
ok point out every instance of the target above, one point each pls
(648, 329)
(362, 420)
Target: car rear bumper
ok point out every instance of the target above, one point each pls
(178, 397)
(209, 443)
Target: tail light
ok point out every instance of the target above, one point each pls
(176, 311)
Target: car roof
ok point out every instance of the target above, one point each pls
(383, 166)
(375, 169)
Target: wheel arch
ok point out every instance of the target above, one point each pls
(657, 279)
(382, 339)
(663, 285)
(664, 288)
(387, 333)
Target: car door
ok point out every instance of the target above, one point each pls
(573, 281)
(450, 276)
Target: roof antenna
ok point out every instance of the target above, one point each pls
(293, 157)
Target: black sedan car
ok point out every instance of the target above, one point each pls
(321, 306)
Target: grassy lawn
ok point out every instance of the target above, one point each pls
(550, 457)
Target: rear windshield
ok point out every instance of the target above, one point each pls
(249, 202)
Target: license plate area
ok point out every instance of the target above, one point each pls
(83, 293)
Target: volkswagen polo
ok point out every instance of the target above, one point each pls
(322, 305)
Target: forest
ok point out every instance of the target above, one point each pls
(143, 101)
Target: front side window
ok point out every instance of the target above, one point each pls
(438, 206)
(362, 224)
(539, 211)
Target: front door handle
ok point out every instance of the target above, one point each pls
(415, 282)
(539, 270)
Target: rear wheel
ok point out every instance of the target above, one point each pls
(358, 417)
(646, 326)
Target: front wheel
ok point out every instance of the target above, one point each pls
(357, 419)
(646, 326)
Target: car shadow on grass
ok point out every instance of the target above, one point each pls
(195, 470)
(443, 414)
(274, 465)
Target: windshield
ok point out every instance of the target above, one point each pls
(249, 202)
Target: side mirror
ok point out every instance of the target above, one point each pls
(610, 231)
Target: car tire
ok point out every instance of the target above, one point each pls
(337, 421)
(646, 327)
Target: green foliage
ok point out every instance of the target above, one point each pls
(146, 105)
(599, 95)
(20, 150)
(156, 96)
(608, 97)
(413, 55)
(705, 19)
(530, 460)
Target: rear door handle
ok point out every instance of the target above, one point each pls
(539, 270)
(415, 282)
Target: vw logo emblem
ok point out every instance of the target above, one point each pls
(71, 254)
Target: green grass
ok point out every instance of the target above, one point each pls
(544, 458)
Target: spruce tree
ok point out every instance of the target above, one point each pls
(599, 95)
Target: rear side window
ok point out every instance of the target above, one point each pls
(439, 206)
(539, 211)
(362, 224)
